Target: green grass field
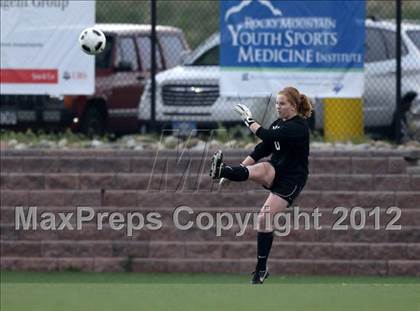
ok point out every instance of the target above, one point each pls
(118, 291)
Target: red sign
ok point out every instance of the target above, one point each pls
(44, 76)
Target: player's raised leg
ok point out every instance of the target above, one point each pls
(261, 173)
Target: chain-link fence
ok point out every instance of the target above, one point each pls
(192, 94)
(187, 79)
(189, 95)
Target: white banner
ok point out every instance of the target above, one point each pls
(40, 53)
(317, 84)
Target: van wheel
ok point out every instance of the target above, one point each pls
(93, 123)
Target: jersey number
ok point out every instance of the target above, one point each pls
(277, 145)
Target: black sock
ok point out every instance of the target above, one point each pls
(235, 173)
(264, 242)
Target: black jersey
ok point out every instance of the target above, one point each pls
(288, 142)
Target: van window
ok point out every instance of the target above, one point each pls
(172, 47)
(143, 43)
(375, 49)
(390, 37)
(414, 36)
(126, 52)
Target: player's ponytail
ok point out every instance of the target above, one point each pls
(302, 103)
(305, 108)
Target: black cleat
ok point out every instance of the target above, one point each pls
(258, 277)
(216, 165)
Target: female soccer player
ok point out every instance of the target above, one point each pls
(285, 175)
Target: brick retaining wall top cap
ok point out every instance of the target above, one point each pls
(277, 266)
(238, 152)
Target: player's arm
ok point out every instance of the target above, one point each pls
(262, 150)
(266, 135)
(283, 131)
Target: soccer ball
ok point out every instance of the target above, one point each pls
(92, 41)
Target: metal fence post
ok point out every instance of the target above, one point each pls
(398, 115)
(153, 65)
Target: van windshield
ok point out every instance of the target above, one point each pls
(414, 36)
(209, 58)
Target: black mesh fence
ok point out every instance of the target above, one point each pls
(397, 119)
(379, 112)
(187, 88)
(410, 80)
(188, 96)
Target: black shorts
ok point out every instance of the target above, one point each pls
(286, 187)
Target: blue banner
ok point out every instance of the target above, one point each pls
(287, 35)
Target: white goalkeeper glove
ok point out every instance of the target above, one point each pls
(245, 114)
